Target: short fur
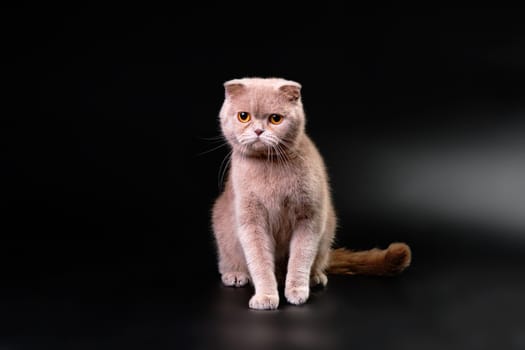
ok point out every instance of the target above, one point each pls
(275, 217)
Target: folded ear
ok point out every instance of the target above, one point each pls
(291, 91)
(233, 88)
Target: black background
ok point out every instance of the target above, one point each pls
(107, 182)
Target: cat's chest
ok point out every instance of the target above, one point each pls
(275, 187)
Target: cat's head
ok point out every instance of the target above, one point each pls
(262, 115)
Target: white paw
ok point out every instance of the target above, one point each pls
(298, 295)
(235, 279)
(318, 278)
(264, 301)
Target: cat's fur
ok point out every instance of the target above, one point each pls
(276, 214)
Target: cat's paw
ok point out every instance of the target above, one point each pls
(297, 295)
(235, 279)
(264, 301)
(318, 278)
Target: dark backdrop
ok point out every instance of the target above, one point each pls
(107, 182)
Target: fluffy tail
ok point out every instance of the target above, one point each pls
(377, 262)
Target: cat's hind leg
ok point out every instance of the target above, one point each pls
(322, 260)
(232, 263)
(318, 275)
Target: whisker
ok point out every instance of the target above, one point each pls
(276, 154)
(213, 149)
(213, 138)
(268, 163)
(284, 158)
(243, 151)
(244, 156)
(280, 158)
(222, 171)
(289, 150)
(289, 160)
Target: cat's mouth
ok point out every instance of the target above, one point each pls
(257, 146)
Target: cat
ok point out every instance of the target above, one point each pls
(274, 220)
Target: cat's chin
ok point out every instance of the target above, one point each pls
(259, 146)
(256, 149)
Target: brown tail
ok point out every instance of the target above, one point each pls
(377, 262)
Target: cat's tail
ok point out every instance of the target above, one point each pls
(377, 262)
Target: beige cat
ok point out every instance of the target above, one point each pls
(275, 218)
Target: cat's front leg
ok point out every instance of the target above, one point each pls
(303, 250)
(259, 248)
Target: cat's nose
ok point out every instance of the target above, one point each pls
(258, 131)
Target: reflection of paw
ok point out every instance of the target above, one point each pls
(235, 279)
(264, 301)
(297, 296)
(318, 278)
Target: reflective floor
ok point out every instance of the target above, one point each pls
(452, 297)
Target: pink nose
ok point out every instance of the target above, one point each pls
(258, 131)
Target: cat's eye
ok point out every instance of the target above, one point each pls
(244, 117)
(276, 119)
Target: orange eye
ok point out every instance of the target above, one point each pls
(276, 119)
(244, 117)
